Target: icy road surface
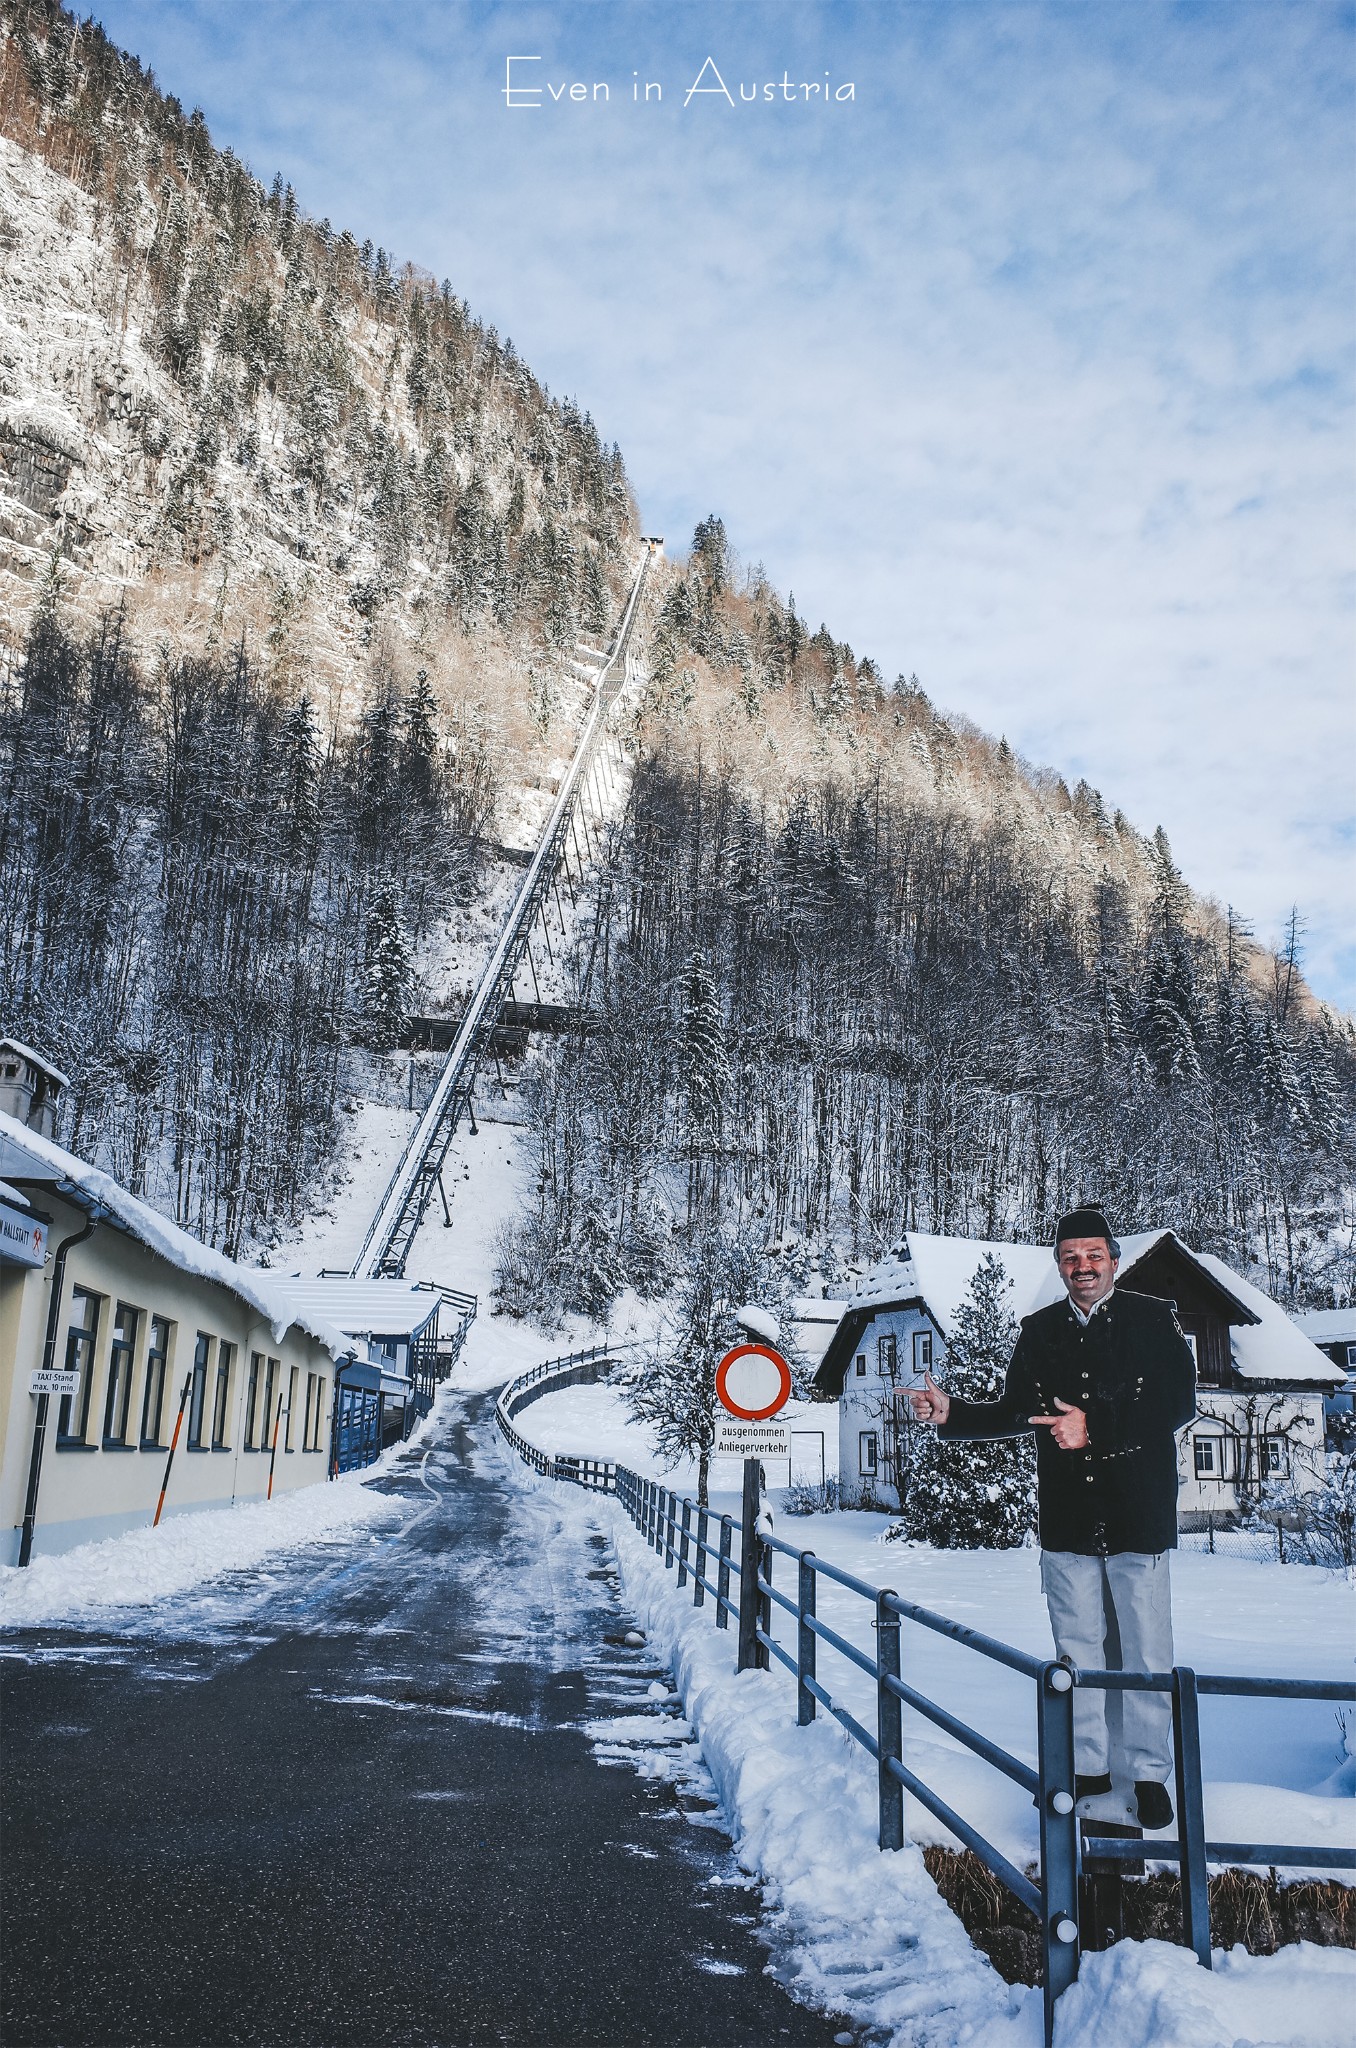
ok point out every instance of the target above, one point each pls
(417, 1781)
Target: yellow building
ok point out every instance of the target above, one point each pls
(115, 1325)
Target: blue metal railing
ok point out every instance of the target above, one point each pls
(708, 1549)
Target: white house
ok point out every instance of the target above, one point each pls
(1260, 1386)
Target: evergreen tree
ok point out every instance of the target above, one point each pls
(711, 553)
(972, 1496)
(389, 979)
(706, 1062)
(706, 1075)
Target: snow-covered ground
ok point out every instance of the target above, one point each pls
(1275, 1770)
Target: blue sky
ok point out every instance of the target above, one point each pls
(1029, 367)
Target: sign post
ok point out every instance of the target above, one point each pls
(750, 1656)
(753, 1385)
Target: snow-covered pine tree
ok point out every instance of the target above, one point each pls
(389, 979)
(972, 1496)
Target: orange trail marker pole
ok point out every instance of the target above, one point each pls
(174, 1445)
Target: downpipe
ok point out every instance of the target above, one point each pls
(48, 1353)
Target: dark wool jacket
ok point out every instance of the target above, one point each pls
(1132, 1373)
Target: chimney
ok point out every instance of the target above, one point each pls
(30, 1087)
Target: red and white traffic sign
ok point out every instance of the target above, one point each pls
(753, 1382)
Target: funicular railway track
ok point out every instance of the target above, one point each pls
(405, 1201)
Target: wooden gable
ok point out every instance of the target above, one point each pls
(1205, 1309)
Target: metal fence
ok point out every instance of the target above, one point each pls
(711, 1550)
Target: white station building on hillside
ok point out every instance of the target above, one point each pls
(1261, 1382)
(142, 1317)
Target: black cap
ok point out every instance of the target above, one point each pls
(1085, 1222)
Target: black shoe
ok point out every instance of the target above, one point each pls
(1085, 1787)
(1153, 1805)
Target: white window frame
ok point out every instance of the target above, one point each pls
(1275, 1457)
(868, 1453)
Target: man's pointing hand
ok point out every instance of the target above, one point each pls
(1069, 1428)
(929, 1403)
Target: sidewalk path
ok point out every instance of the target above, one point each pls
(352, 1801)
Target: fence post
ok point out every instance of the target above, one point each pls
(752, 1656)
(684, 1541)
(723, 1574)
(669, 1519)
(703, 1550)
(889, 1725)
(1186, 1743)
(1059, 1835)
(805, 1639)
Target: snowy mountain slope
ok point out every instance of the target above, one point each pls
(236, 418)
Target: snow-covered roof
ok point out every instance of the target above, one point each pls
(15, 1195)
(362, 1308)
(1328, 1325)
(1272, 1348)
(816, 1308)
(26, 1156)
(815, 1321)
(35, 1059)
(938, 1271)
(759, 1322)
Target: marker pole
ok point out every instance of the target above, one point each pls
(174, 1445)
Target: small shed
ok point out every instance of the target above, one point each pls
(407, 1334)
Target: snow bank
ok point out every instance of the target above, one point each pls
(148, 1566)
(868, 1933)
(1149, 1994)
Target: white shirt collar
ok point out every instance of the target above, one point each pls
(1086, 1319)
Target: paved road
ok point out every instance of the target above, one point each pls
(352, 1800)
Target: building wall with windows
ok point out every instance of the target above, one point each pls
(142, 1329)
(1241, 1443)
(891, 1355)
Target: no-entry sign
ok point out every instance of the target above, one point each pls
(753, 1382)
